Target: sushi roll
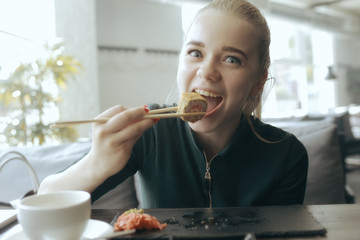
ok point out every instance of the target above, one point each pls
(192, 102)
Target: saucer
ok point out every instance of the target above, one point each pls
(94, 228)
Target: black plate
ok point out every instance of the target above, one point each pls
(228, 223)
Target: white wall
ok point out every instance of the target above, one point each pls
(75, 23)
(135, 78)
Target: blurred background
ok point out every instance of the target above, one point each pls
(72, 59)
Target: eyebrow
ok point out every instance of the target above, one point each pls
(232, 49)
(195, 43)
(226, 48)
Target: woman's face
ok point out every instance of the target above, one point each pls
(219, 60)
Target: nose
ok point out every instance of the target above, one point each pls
(208, 70)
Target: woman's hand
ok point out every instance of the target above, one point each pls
(112, 145)
(113, 141)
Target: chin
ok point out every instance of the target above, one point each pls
(201, 126)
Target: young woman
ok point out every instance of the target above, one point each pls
(228, 158)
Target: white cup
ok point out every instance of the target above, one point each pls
(57, 215)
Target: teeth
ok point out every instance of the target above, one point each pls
(206, 93)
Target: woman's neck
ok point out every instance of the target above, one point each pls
(217, 140)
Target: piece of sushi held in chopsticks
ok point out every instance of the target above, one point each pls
(191, 107)
(191, 103)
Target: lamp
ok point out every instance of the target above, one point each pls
(330, 74)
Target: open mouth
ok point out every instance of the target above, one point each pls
(213, 99)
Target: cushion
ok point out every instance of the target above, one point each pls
(44, 159)
(326, 181)
(15, 180)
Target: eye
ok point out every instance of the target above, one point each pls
(233, 60)
(195, 53)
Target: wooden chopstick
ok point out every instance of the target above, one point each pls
(172, 115)
(77, 122)
(163, 110)
(61, 124)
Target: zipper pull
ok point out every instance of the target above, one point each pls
(207, 181)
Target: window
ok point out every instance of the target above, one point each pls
(25, 26)
(300, 56)
(23, 30)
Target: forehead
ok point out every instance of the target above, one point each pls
(214, 26)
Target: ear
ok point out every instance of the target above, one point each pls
(259, 86)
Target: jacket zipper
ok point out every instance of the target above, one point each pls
(208, 178)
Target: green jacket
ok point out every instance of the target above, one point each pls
(249, 171)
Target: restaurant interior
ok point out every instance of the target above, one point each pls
(126, 52)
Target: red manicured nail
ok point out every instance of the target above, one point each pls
(146, 108)
(155, 120)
